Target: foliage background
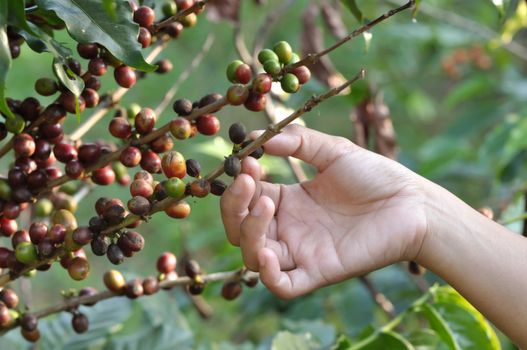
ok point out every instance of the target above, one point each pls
(469, 134)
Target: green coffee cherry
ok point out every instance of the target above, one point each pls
(290, 83)
(174, 187)
(231, 70)
(294, 59)
(284, 51)
(43, 207)
(15, 125)
(266, 55)
(26, 252)
(169, 8)
(272, 67)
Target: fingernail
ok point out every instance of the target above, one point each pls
(257, 210)
(236, 188)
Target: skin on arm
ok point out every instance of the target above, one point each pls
(362, 212)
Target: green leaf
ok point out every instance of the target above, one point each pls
(424, 339)
(416, 8)
(388, 340)
(88, 22)
(354, 9)
(343, 343)
(440, 325)
(5, 65)
(17, 15)
(290, 341)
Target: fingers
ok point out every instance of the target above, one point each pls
(285, 285)
(234, 204)
(308, 145)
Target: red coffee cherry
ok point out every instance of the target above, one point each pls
(144, 38)
(144, 175)
(80, 323)
(67, 100)
(164, 66)
(262, 83)
(91, 97)
(28, 322)
(184, 4)
(89, 153)
(57, 233)
(150, 162)
(134, 288)
(210, 99)
(178, 210)
(141, 188)
(162, 144)
(37, 232)
(42, 150)
(79, 269)
(120, 127)
(20, 236)
(74, 169)
(302, 73)
(145, 120)
(237, 94)
(173, 165)
(103, 176)
(30, 108)
(9, 298)
(200, 188)
(88, 51)
(8, 226)
(125, 76)
(64, 152)
(150, 285)
(24, 145)
(92, 83)
(255, 102)
(208, 124)
(243, 73)
(144, 16)
(166, 262)
(180, 128)
(130, 156)
(97, 66)
(82, 235)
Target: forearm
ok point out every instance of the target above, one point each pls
(483, 260)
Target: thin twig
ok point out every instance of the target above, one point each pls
(380, 299)
(72, 303)
(184, 75)
(198, 5)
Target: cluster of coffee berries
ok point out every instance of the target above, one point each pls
(233, 288)
(206, 124)
(8, 302)
(237, 134)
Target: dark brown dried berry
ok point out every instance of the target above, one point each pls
(183, 107)
(87, 291)
(139, 205)
(192, 269)
(114, 214)
(99, 245)
(237, 133)
(45, 248)
(29, 322)
(150, 286)
(231, 290)
(217, 187)
(196, 288)
(232, 166)
(80, 323)
(82, 235)
(193, 167)
(115, 254)
(132, 241)
(134, 288)
(200, 188)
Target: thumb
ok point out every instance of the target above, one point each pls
(309, 145)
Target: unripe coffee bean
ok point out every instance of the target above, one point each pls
(79, 269)
(114, 281)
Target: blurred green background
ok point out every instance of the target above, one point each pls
(466, 131)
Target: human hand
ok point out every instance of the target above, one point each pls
(359, 213)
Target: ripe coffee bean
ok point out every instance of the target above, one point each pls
(42, 150)
(180, 128)
(196, 288)
(26, 252)
(173, 165)
(178, 210)
(237, 94)
(8, 226)
(5, 316)
(139, 205)
(159, 191)
(266, 55)
(115, 254)
(162, 144)
(262, 83)
(257, 154)
(19, 237)
(208, 124)
(193, 167)
(231, 70)
(79, 269)
(53, 173)
(284, 51)
(130, 156)
(31, 336)
(182, 107)
(120, 127)
(231, 290)
(166, 262)
(150, 286)
(57, 233)
(144, 16)
(64, 152)
(144, 175)
(74, 65)
(52, 132)
(24, 145)
(302, 73)
(217, 187)
(5, 256)
(290, 83)
(144, 38)
(173, 29)
(54, 113)
(141, 188)
(103, 176)
(91, 97)
(164, 66)
(145, 120)
(45, 248)
(80, 323)
(37, 232)
(125, 76)
(9, 298)
(255, 102)
(237, 133)
(87, 291)
(16, 177)
(192, 269)
(66, 259)
(134, 288)
(82, 235)
(114, 281)
(150, 162)
(232, 166)
(97, 66)
(132, 241)
(174, 187)
(19, 196)
(243, 73)
(89, 153)
(28, 322)
(30, 108)
(114, 214)
(11, 210)
(184, 4)
(74, 169)
(87, 51)
(210, 99)
(46, 86)
(99, 245)
(26, 164)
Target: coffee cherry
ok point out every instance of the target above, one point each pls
(208, 124)
(5, 256)
(79, 269)
(290, 83)
(57, 233)
(200, 188)
(182, 107)
(45, 248)
(64, 152)
(82, 235)
(74, 169)
(262, 83)
(162, 144)
(5, 316)
(92, 83)
(173, 29)
(87, 291)
(46, 86)
(237, 94)
(192, 269)
(134, 288)
(284, 51)
(169, 8)
(23, 145)
(139, 205)
(144, 16)
(144, 175)
(20, 236)
(74, 65)
(243, 73)
(294, 59)
(150, 286)
(210, 99)
(132, 241)
(80, 323)
(166, 262)
(179, 210)
(144, 38)
(115, 254)
(26, 164)
(159, 191)
(9, 298)
(302, 73)
(114, 214)
(231, 290)
(150, 162)
(28, 322)
(54, 113)
(232, 166)
(189, 20)
(66, 259)
(114, 281)
(26, 252)
(15, 125)
(272, 67)
(97, 66)
(231, 70)
(255, 102)
(8, 226)
(125, 76)
(163, 66)
(31, 336)
(3, 131)
(257, 154)
(193, 167)
(267, 55)
(251, 282)
(130, 156)
(88, 51)
(145, 120)
(196, 288)
(91, 97)
(174, 187)
(30, 108)
(52, 132)
(37, 232)
(217, 187)
(173, 165)
(184, 4)
(103, 176)
(120, 127)
(180, 128)
(99, 245)
(237, 133)
(141, 188)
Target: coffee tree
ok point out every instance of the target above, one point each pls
(51, 164)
